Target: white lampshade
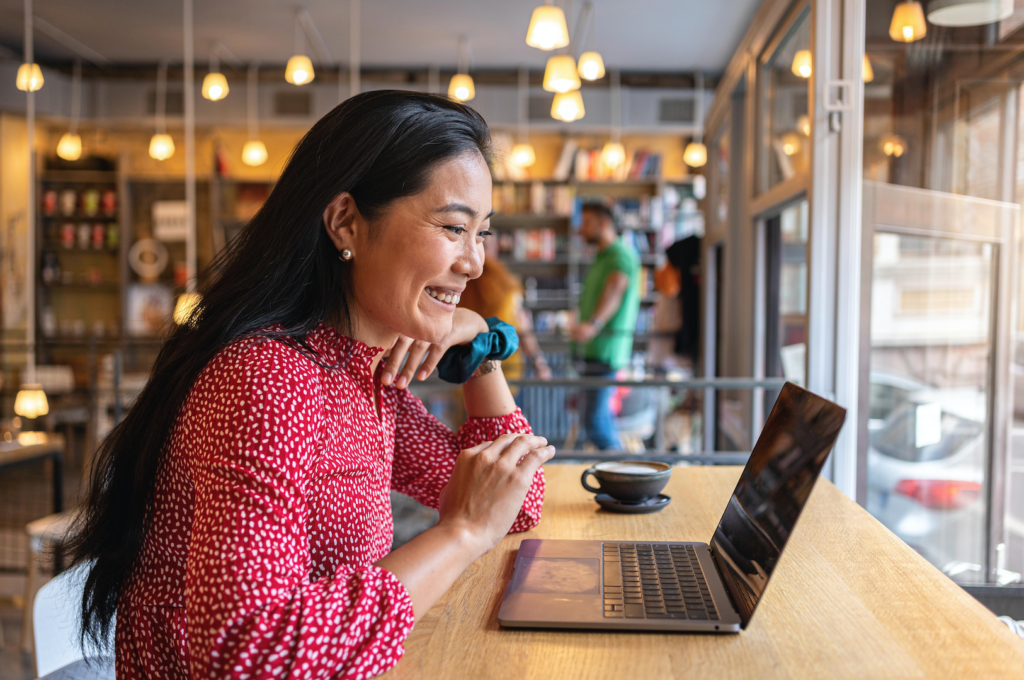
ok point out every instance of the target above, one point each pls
(613, 155)
(30, 78)
(695, 154)
(461, 87)
(968, 12)
(591, 66)
(183, 308)
(161, 146)
(908, 22)
(299, 70)
(568, 106)
(31, 401)
(523, 155)
(254, 153)
(548, 30)
(560, 74)
(70, 146)
(215, 86)
(802, 63)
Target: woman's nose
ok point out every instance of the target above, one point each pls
(470, 261)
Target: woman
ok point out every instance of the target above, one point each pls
(238, 517)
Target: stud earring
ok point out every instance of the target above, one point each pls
(345, 255)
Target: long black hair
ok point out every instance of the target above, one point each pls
(281, 271)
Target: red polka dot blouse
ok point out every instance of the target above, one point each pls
(270, 508)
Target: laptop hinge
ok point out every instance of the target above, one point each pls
(721, 579)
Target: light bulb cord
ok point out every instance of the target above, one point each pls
(522, 111)
(464, 54)
(161, 97)
(252, 101)
(616, 94)
(76, 95)
(699, 136)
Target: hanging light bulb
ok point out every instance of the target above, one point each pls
(523, 155)
(560, 74)
(695, 154)
(31, 401)
(568, 106)
(968, 12)
(591, 66)
(613, 155)
(215, 86)
(790, 143)
(802, 63)
(161, 146)
(30, 78)
(254, 152)
(803, 124)
(548, 30)
(461, 87)
(907, 22)
(867, 72)
(183, 308)
(70, 146)
(893, 145)
(299, 70)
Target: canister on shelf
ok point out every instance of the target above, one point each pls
(90, 202)
(84, 234)
(68, 198)
(113, 236)
(99, 235)
(50, 202)
(67, 235)
(109, 202)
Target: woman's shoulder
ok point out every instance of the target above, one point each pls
(266, 358)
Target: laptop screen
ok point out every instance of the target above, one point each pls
(772, 490)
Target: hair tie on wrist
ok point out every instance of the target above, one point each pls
(460, 361)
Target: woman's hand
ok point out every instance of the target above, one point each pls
(466, 325)
(488, 487)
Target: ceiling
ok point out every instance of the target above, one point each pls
(639, 35)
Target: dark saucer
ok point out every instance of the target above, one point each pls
(640, 508)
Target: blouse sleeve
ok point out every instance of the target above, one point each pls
(425, 452)
(256, 421)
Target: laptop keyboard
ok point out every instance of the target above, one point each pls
(655, 581)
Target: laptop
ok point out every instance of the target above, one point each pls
(688, 587)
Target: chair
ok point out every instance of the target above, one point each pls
(42, 534)
(56, 621)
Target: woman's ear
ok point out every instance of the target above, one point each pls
(343, 221)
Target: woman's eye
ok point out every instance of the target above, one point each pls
(458, 231)
(485, 234)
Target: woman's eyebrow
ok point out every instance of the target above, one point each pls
(462, 208)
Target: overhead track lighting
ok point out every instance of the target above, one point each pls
(161, 146)
(696, 154)
(254, 152)
(802, 63)
(215, 85)
(568, 106)
(968, 12)
(523, 154)
(548, 30)
(590, 65)
(560, 74)
(908, 22)
(461, 87)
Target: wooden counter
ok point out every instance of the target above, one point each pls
(848, 600)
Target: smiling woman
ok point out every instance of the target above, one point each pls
(238, 517)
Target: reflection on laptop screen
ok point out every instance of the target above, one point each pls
(772, 490)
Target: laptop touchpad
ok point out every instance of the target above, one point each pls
(565, 576)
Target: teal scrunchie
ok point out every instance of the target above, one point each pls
(461, 361)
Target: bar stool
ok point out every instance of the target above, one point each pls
(42, 534)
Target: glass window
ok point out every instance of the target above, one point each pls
(786, 296)
(785, 117)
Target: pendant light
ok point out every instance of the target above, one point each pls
(560, 74)
(299, 70)
(591, 65)
(215, 85)
(161, 146)
(30, 401)
(30, 76)
(893, 145)
(803, 124)
(907, 22)
(254, 152)
(790, 143)
(461, 88)
(70, 145)
(968, 12)
(523, 154)
(867, 72)
(568, 106)
(613, 155)
(696, 154)
(548, 30)
(802, 63)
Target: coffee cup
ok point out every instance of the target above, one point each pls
(630, 481)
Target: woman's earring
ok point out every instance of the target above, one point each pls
(345, 255)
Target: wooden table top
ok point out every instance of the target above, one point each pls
(847, 600)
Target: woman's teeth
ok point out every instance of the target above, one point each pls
(444, 297)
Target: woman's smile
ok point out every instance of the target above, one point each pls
(446, 296)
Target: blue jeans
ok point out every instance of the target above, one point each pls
(598, 419)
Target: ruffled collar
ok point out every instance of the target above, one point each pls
(327, 342)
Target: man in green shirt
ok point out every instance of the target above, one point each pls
(609, 304)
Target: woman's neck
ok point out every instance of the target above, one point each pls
(363, 328)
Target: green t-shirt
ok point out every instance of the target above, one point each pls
(614, 343)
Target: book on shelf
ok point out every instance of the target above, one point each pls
(639, 164)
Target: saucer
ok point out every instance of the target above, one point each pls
(642, 508)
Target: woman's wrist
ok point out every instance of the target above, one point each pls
(464, 537)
